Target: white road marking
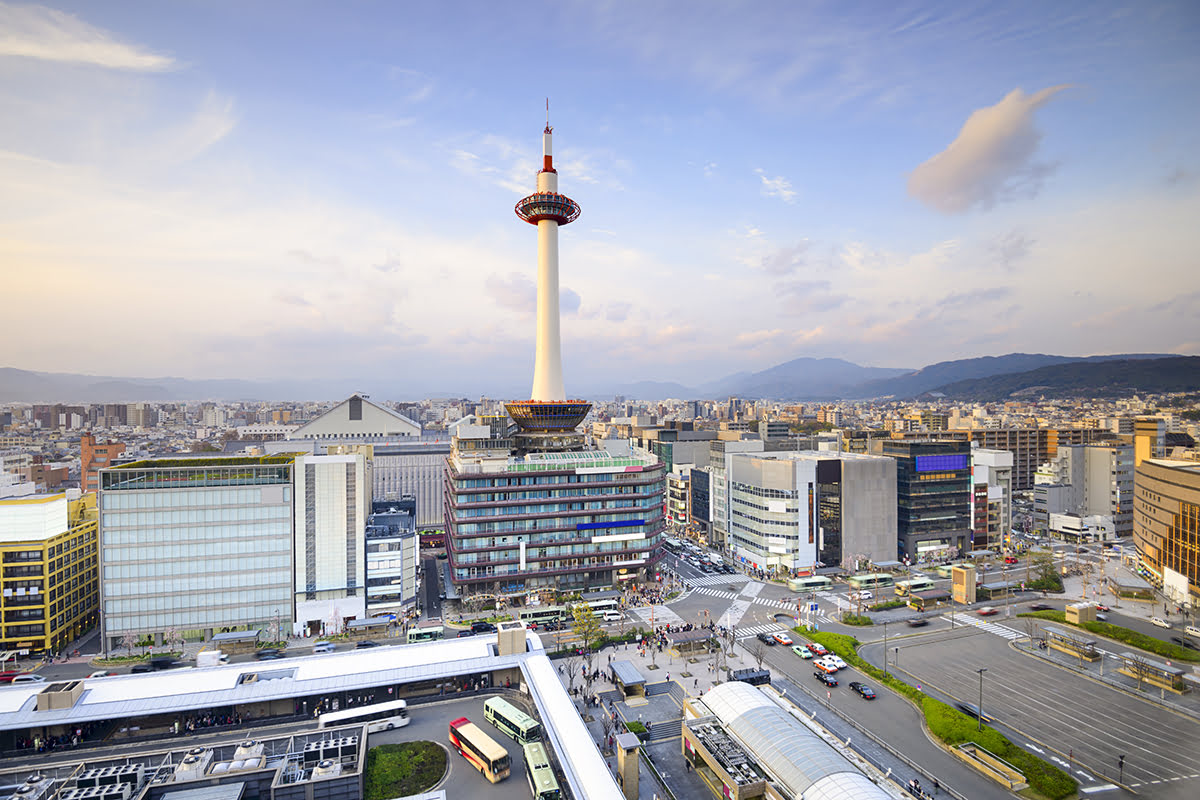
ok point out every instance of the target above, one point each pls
(733, 615)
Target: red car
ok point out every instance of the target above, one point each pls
(817, 649)
(7, 677)
(1010, 559)
(1102, 607)
(987, 611)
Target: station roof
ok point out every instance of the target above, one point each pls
(627, 673)
(801, 760)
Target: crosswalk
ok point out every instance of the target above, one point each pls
(661, 615)
(755, 630)
(716, 580)
(727, 595)
(982, 624)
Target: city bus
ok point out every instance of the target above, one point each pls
(540, 774)
(944, 570)
(812, 583)
(380, 716)
(540, 615)
(479, 749)
(424, 633)
(904, 588)
(512, 721)
(876, 580)
(600, 606)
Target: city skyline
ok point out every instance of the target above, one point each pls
(249, 193)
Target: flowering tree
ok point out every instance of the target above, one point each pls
(129, 641)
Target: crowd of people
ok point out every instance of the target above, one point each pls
(206, 720)
(44, 744)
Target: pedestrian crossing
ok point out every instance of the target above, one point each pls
(661, 614)
(755, 630)
(763, 601)
(716, 580)
(982, 624)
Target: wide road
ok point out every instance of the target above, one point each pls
(1076, 720)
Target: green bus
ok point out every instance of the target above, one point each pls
(811, 583)
(905, 588)
(425, 633)
(512, 721)
(540, 615)
(874, 580)
(540, 774)
(944, 570)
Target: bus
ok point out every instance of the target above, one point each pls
(424, 633)
(812, 583)
(600, 606)
(540, 615)
(380, 716)
(673, 545)
(877, 580)
(512, 721)
(944, 570)
(540, 774)
(904, 588)
(479, 749)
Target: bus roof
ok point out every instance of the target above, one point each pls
(487, 746)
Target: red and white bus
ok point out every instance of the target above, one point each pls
(479, 749)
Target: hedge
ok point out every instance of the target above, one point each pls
(888, 605)
(1121, 634)
(951, 725)
(401, 770)
(856, 619)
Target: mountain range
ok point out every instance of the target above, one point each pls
(984, 378)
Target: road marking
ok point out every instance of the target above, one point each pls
(716, 580)
(662, 615)
(751, 589)
(1034, 748)
(1104, 787)
(733, 615)
(745, 633)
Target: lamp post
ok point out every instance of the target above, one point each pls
(1121, 769)
(979, 716)
(885, 672)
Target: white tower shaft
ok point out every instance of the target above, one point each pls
(547, 364)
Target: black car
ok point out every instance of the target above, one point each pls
(1040, 607)
(918, 622)
(463, 634)
(864, 691)
(825, 678)
(766, 639)
(367, 643)
(268, 654)
(141, 668)
(483, 627)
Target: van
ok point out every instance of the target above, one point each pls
(613, 616)
(1192, 630)
(323, 647)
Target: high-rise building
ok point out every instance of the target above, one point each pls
(792, 511)
(533, 509)
(933, 497)
(48, 590)
(992, 475)
(393, 558)
(1149, 439)
(1086, 481)
(1166, 527)
(720, 453)
(93, 457)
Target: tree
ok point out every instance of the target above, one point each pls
(129, 641)
(758, 650)
(1140, 668)
(587, 628)
(172, 637)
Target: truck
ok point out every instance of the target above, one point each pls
(211, 658)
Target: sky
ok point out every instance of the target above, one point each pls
(293, 189)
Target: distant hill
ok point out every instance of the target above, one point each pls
(24, 386)
(946, 372)
(807, 379)
(1092, 378)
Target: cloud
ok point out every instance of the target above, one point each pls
(49, 35)
(1010, 248)
(568, 301)
(518, 292)
(785, 260)
(990, 160)
(617, 312)
(975, 297)
(778, 186)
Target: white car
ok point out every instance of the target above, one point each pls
(836, 661)
(863, 595)
(1160, 622)
(829, 663)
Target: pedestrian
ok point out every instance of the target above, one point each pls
(936, 786)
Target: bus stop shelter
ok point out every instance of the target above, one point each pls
(628, 680)
(930, 598)
(371, 628)
(1146, 670)
(234, 642)
(1072, 644)
(690, 643)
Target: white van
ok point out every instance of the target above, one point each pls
(1192, 630)
(613, 616)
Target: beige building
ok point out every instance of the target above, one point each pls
(1166, 527)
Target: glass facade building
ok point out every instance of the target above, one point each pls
(933, 498)
(196, 546)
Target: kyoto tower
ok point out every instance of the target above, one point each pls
(548, 420)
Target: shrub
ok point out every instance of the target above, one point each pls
(856, 619)
(1125, 635)
(636, 727)
(400, 770)
(887, 605)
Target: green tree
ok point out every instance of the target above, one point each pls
(587, 628)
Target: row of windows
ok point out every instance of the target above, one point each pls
(158, 537)
(218, 609)
(199, 551)
(537, 553)
(548, 480)
(555, 508)
(182, 516)
(262, 564)
(549, 494)
(176, 499)
(532, 525)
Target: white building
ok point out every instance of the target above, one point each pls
(393, 560)
(332, 500)
(1091, 480)
(994, 468)
(357, 420)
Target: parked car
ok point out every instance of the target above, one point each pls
(782, 638)
(803, 652)
(918, 622)
(864, 691)
(1160, 622)
(818, 649)
(28, 677)
(767, 639)
(987, 611)
(1040, 607)
(825, 678)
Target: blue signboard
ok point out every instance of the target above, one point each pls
(624, 523)
(943, 463)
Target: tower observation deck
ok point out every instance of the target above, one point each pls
(548, 420)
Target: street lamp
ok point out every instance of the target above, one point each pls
(1121, 768)
(979, 716)
(885, 672)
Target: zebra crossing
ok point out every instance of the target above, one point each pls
(727, 595)
(755, 630)
(982, 624)
(716, 580)
(662, 615)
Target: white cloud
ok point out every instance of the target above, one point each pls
(991, 157)
(778, 186)
(49, 35)
(785, 260)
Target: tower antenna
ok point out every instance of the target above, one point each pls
(548, 128)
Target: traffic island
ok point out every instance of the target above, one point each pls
(991, 766)
(401, 770)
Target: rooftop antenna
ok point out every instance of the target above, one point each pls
(548, 128)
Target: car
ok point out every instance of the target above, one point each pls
(825, 678)
(1010, 559)
(101, 674)
(1102, 607)
(917, 622)
(271, 653)
(863, 595)
(1040, 607)
(464, 634)
(987, 611)
(1160, 622)
(767, 639)
(552, 625)
(836, 661)
(863, 691)
(480, 626)
(818, 649)
(1102, 617)
(803, 652)
(825, 666)
(28, 677)
(366, 643)
(141, 667)
(1189, 644)
(7, 677)
(782, 638)
(441, 556)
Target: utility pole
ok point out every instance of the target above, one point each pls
(885, 670)
(979, 716)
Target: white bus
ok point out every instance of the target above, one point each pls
(381, 716)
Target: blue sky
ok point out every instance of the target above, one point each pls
(286, 189)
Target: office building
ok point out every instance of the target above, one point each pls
(1149, 439)
(1089, 480)
(720, 453)
(49, 594)
(798, 511)
(1166, 527)
(194, 546)
(933, 498)
(393, 559)
(700, 502)
(95, 456)
(991, 499)
(678, 495)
